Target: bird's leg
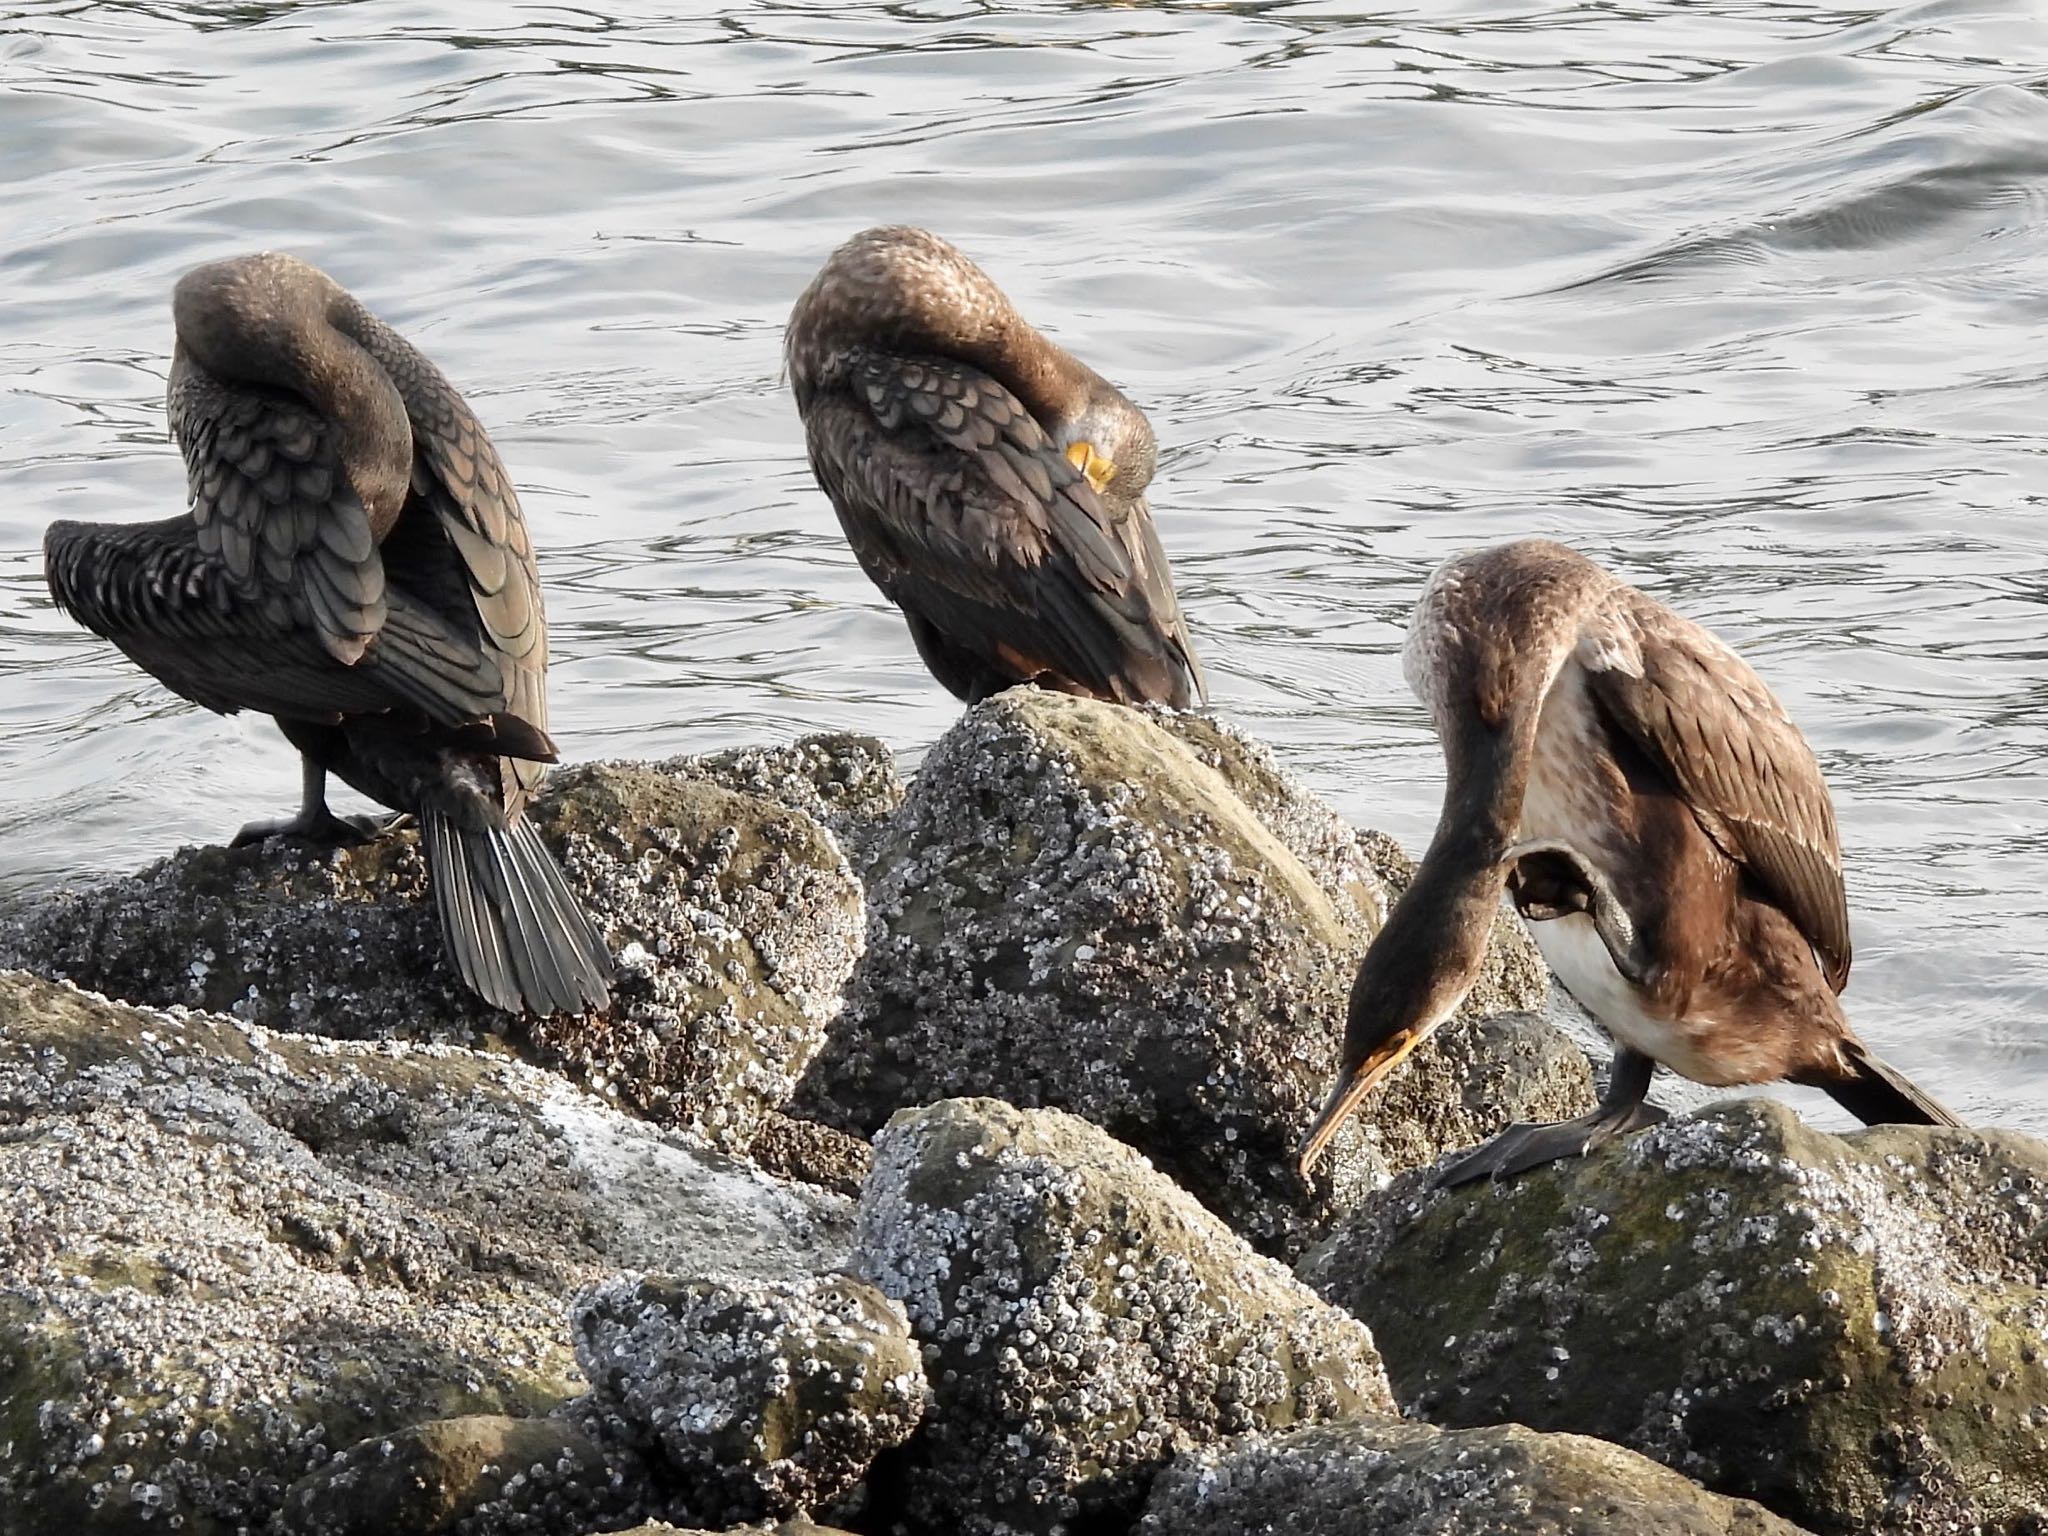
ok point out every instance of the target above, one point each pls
(1590, 892)
(314, 822)
(1623, 1108)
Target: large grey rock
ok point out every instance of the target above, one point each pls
(735, 917)
(1849, 1329)
(751, 1401)
(1083, 1320)
(466, 1477)
(1139, 918)
(1378, 1479)
(226, 1254)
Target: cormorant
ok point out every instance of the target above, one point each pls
(991, 484)
(1661, 825)
(354, 564)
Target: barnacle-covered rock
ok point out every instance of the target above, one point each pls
(1375, 1479)
(740, 921)
(735, 918)
(1849, 1329)
(226, 1254)
(1138, 917)
(478, 1475)
(811, 1153)
(1083, 1320)
(848, 784)
(749, 1401)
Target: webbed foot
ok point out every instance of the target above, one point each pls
(321, 830)
(1522, 1147)
(1622, 1109)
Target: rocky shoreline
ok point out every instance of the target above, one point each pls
(932, 1173)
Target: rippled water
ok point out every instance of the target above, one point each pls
(1747, 299)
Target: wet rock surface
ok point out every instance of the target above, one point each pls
(1849, 1329)
(1369, 1479)
(1138, 917)
(227, 1254)
(748, 1401)
(735, 918)
(1082, 1321)
(459, 1477)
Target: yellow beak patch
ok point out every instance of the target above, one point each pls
(1092, 464)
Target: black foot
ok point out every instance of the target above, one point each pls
(325, 830)
(1522, 1147)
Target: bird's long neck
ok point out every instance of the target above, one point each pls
(1431, 950)
(1486, 778)
(342, 379)
(258, 322)
(1053, 384)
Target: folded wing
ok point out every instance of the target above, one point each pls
(1707, 719)
(963, 511)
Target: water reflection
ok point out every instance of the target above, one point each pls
(1746, 299)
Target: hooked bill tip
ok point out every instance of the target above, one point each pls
(1335, 1111)
(1350, 1089)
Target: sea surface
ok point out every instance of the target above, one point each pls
(1748, 300)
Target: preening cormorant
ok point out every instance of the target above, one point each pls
(991, 484)
(1663, 828)
(354, 564)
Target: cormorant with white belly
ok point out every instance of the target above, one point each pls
(1660, 823)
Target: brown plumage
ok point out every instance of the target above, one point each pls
(991, 484)
(353, 563)
(1662, 826)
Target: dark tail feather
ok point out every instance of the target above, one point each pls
(1880, 1094)
(511, 923)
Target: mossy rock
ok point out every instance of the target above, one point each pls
(230, 1253)
(736, 919)
(1369, 1479)
(1848, 1329)
(477, 1475)
(1083, 1319)
(1134, 916)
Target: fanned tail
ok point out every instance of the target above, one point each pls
(1880, 1094)
(511, 923)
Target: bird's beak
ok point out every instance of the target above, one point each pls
(1352, 1088)
(1098, 469)
(1417, 970)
